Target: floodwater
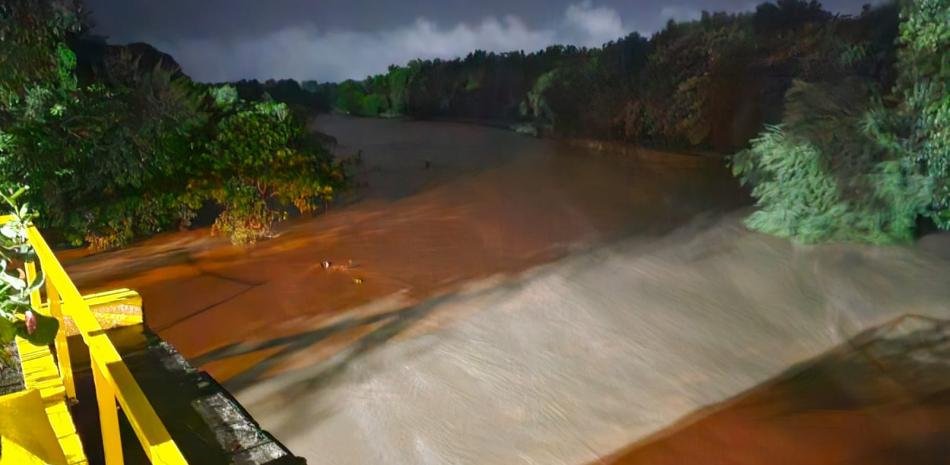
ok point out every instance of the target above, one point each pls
(497, 299)
(881, 398)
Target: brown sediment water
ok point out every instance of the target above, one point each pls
(882, 398)
(489, 202)
(519, 300)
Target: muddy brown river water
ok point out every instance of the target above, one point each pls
(499, 299)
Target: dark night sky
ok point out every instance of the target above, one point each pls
(331, 40)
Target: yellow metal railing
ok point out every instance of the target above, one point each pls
(40, 374)
(112, 378)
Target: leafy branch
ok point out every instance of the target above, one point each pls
(17, 317)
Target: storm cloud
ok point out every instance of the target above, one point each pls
(309, 52)
(333, 41)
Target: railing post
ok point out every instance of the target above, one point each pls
(115, 385)
(108, 415)
(62, 347)
(35, 300)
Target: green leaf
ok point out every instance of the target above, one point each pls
(7, 331)
(13, 281)
(8, 230)
(38, 281)
(46, 329)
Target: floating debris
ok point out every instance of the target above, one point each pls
(357, 280)
(326, 264)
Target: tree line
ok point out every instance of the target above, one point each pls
(838, 123)
(704, 84)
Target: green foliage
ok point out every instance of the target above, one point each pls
(308, 96)
(136, 149)
(798, 196)
(536, 105)
(17, 317)
(921, 125)
(224, 96)
(349, 98)
(372, 105)
(844, 165)
(246, 217)
(353, 98)
(398, 85)
(35, 61)
(705, 84)
(110, 167)
(258, 160)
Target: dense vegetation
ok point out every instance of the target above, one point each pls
(705, 84)
(17, 316)
(116, 142)
(840, 122)
(857, 158)
(855, 109)
(307, 95)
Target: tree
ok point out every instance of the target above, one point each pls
(36, 62)
(258, 161)
(922, 131)
(349, 97)
(109, 167)
(853, 162)
(135, 147)
(821, 177)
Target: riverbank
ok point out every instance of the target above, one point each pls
(598, 146)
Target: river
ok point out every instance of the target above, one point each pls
(494, 299)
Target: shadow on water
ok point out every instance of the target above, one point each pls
(587, 357)
(386, 326)
(245, 286)
(881, 398)
(348, 340)
(362, 335)
(490, 202)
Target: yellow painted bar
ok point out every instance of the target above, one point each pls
(40, 373)
(62, 348)
(108, 418)
(114, 297)
(26, 433)
(35, 301)
(113, 309)
(104, 357)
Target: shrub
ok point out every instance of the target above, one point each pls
(921, 127)
(821, 175)
(17, 317)
(132, 150)
(259, 162)
(114, 165)
(849, 163)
